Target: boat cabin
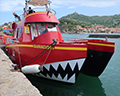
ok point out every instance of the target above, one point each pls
(37, 27)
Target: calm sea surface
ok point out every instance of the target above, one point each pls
(107, 84)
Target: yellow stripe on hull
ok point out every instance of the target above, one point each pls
(45, 46)
(71, 48)
(20, 45)
(99, 44)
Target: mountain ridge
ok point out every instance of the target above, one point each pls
(84, 21)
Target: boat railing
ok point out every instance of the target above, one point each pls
(1, 40)
(75, 40)
(43, 4)
(9, 40)
(71, 39)
(1, 37)
(21, 17)
(48, 10)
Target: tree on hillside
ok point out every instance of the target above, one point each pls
(89, 21)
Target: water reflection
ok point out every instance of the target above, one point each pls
(85, 86)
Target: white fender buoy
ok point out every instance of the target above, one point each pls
(31, 69)
(2, 46)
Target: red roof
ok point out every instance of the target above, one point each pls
(8, 29)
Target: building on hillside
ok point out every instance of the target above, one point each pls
(98, 27)
(80, 29)
(75, 13)
(91, 30)
(114, 30)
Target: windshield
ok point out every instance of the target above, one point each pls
(33, 31)
(51, 26)
(41, 28)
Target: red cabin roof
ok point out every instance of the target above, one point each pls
(41, 17)
(36, 18)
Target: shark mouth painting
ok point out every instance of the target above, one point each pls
(65, 71)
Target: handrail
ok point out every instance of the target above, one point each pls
(48, 10)
(21, 17)
(72, 39)
(9, 40)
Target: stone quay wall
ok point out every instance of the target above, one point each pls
(14, 83)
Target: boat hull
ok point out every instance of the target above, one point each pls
(98, 55)
(95, 62)
(61, 62)
(64, 62)
(29, 54)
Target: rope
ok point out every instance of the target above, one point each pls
(38, 56)
(47, 56)
(19, 56)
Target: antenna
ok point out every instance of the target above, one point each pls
(26, 4)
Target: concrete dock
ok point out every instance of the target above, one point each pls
(104, 36)
(14, 83)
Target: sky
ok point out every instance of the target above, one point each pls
(62, 8)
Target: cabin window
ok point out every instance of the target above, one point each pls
(19, 33)
(16, 33)
(51, 26)
(20, 30)
(41, 28)
(33, 31)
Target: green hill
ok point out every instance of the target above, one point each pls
(70, 21)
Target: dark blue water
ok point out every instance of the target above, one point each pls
(107, 84)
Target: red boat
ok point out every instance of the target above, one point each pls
(38, 48)
(6, 33)
(4, 37)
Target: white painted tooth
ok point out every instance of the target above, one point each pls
(37, 74)
(59, 77)
(72, 64)
(65, 78)
(80, 63)
(47, 66)
(55, 65)
(48, 76)
(42, 75)
(63, 64)
(53, 77)
(72, 79)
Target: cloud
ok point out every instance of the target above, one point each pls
(87, 3)
(11, 5)
(99, 4)
(56, 6)
(71, 7)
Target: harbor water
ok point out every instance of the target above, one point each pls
(107, 84)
